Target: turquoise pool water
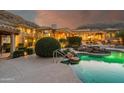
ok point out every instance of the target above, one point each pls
(108, 69)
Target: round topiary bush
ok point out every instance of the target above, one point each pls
(45, 47)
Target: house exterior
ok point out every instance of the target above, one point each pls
(27, 30)
(8, 33)
(15, 30)
(95, 36)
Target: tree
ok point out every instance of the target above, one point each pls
(121, 35)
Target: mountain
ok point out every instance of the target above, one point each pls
(119, 25)
(12, 19)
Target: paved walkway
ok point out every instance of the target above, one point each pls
(32, 69)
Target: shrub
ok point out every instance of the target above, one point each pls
(74, 41)
(45, 47)
(21, 47)
(18, 53)
(29, 51)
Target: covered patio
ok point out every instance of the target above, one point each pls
(7, 30)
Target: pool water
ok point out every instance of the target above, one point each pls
(108, 69)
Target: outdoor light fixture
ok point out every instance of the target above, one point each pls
(26, 41)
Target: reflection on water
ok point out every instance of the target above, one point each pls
(115, 57)
(107, 69)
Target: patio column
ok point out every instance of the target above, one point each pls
(12, 48)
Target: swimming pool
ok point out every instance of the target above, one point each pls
(108, 69)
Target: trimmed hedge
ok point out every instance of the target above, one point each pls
(74, 41)
(45, 47)
(18, 53)
(29, 51)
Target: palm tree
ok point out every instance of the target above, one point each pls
(121, 35)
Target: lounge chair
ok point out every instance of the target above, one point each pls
(81, 48)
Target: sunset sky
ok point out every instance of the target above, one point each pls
(70, 18)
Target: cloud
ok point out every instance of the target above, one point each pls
(75, 18)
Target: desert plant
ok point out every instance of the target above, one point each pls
(45, 47)
(63, 42)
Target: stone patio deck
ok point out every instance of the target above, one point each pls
(32, 69)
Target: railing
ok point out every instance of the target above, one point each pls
(56, 53)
